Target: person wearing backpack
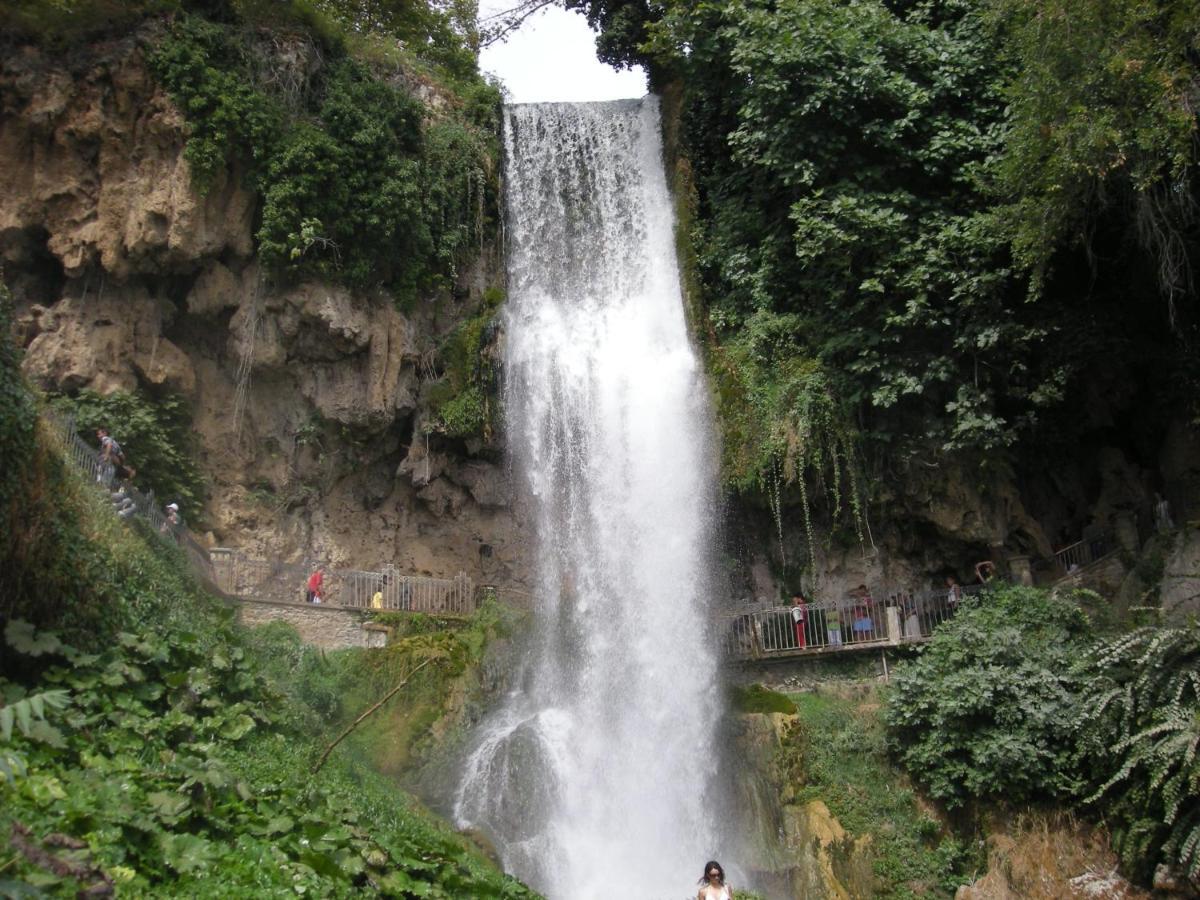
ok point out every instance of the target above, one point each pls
(113, 457)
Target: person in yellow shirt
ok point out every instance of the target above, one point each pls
(377, 598)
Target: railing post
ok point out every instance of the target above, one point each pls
(893, 625)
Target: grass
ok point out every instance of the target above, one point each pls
(843, 761)
(758, 699)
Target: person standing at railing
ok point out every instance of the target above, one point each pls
(953, 592)
(171, 522)
(799, 619)
(377, 597)
(316, 583)
(864, 624)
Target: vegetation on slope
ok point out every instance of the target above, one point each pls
(149, 744)
(1017, 700)
(358, 181)
(837, 753)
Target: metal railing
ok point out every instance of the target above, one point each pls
(88, 461)
(264, 579)
(1083, 553)
(836, 625)
(238, 575)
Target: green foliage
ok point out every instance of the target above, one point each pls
(845, 764)
(620, 26)
(886, 185)
(1140, 733)
(18, 414)
(989, 709)
(353, 185)
(840, 151)
(443, 32)
(781, 423)
(1102, 115)
(154, 434)
(464, 398)
(758, 699)
(174, 765)
(65, 20)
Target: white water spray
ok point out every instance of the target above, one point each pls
(595, 779)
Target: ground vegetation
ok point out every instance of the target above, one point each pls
(1020, 699)
(149, 744)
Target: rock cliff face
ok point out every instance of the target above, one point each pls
(309, 400)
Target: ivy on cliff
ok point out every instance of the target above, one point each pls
(355, 184)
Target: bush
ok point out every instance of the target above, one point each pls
(354, 186)
(1140, 733)
(989, 710)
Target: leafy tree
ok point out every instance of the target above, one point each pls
(1103, 119)
(990, 708)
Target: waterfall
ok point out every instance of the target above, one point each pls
(597, 777)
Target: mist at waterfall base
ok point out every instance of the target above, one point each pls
(598, 775)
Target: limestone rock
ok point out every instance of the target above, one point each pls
(95, 162)
(215, 290)
(1049, 857)
(1179, 590)
(486, 482)
(107, 342)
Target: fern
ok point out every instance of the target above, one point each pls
(1141, 726)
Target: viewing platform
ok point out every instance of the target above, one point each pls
(862, 622)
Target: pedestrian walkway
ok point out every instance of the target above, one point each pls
(837, 626)
(248, 578)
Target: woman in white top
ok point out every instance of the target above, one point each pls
(713, 881)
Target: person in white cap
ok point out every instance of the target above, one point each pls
(171, 522)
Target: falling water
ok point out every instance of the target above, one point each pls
(595, 779)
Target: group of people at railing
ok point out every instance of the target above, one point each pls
(858, 618)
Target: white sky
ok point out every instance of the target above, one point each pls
(552, 56)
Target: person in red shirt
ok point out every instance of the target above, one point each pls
(315, 581)
(799, 618)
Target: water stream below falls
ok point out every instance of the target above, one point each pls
(597, 776)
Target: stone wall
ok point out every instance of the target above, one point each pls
(327, 627)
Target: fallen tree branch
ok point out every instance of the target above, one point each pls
(386, 697)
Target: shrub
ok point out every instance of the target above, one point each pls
(1140, 733)
(990, 708)
(354, 186)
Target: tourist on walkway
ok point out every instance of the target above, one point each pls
(799, 611)
(171, 523)
(713, 883)
(377, 598)
(833, 627)
(315, 583)
(953, 591)
(864, 625)
(112, 459)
